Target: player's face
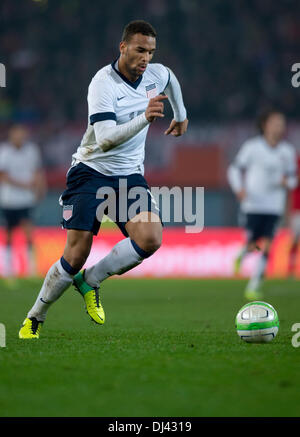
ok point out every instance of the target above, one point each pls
(275, 126)
(137, 53)
(18, 135)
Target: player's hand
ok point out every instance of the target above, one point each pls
(177, 128)
(241, 195)
(284, 182)
(8, 180)
(155, 108)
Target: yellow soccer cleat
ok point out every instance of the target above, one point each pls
(91, 298)
(253, 295)
(31, 328)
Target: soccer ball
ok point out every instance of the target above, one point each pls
(257, 322)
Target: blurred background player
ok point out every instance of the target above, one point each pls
(22, 184)
(262, 172)
(294, 222)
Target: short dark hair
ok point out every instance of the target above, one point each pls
(138, 26)
(264, 115)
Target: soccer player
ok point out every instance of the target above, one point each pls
(263, 170)
(294, 221)
(124, 98)
(22, 184)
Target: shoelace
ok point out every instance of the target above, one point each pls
(97, 297)
(34, 326)
(95, 300)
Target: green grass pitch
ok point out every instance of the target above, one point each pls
(168, 348)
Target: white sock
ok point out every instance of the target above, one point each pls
(258, 275)
(8, 268)
(56, 282)
(121, 258)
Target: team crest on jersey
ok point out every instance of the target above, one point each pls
(151, 91)
(67, 212)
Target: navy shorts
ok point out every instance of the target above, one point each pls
(82, 210)
(13, 217)
(261, 225)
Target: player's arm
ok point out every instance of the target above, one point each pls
(178, 125)
(39, 184)
(101, 102)
(236, 170)
(5, 178)
(109, 134)
(290, 179)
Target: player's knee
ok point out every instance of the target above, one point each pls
(151, 242)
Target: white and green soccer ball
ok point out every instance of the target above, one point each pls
(257, 322)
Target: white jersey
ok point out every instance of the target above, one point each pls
(111, 96)
(20, 164)
(260, 168)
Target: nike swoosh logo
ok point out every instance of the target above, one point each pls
(41, 299)
(120, 98)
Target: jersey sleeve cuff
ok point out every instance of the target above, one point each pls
(102, 116)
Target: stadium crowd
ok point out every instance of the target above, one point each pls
(231, 57)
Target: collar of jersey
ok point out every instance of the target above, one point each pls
(269, 145)
(133, 84)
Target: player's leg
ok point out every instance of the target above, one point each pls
(60, 274)
(265, 230)
(28, 227)
(79, 203)
(10, 224)
(247, 248)
(295, 228)
(8, 269)
(58, 279)
(144, 238)
(253, 287)
(250, 225)
(293, 256)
